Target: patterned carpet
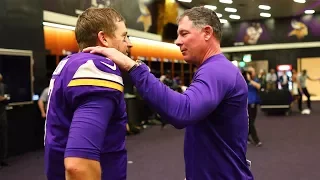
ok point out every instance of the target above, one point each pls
(290, 151)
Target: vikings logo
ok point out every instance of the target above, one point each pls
(145, 18)
(300, 30)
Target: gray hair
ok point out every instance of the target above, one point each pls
(201, 16)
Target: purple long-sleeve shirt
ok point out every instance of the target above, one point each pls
(214, 112)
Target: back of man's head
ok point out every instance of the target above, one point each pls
(94, 20)
(201, 16)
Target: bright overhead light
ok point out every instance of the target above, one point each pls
(210, 7)
(226, 1)
(188, 1)
(264, 7)
(230, 9)
(309, 11)
(223, 21)
(232, 16)
(265, 14)
(300, 1)
(219, 15)
(60, 26)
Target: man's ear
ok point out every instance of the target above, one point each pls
(208, 32)
(102, 39)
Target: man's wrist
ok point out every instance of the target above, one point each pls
(130, 63)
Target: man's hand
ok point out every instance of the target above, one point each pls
(120, 59)
(248, 77)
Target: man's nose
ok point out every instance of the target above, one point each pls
(178, 42)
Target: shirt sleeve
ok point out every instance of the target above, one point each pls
(44, 95)
(197, 102)
(89, 124)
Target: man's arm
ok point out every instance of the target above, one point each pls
(255, 84)
(313, 79)
(181, 110)
(42, 99)
(41, 107)
(86, 136)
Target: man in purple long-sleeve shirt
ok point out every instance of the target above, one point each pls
(213, 109)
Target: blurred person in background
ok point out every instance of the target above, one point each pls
(263, 79)
(272, 80)
(43, 101)
(253, 102)
(3, 124)
(284, 80)
(296, 87)
(304, 91)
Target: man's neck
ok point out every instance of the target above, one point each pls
(211, 52)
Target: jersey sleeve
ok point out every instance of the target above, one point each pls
(93, 93)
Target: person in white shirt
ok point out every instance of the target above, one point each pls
(271, 80)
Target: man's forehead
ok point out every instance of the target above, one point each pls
(184, 23)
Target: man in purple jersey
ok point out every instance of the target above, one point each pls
(214, 107)
(86, 116)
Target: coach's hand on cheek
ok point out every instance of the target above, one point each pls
(120, 59)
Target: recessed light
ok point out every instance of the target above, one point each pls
(232, 16)
(219, 15)
(264, 7)
(309, 11)
(265, 14)
(210, 7)
(223, 21)
(230, 9)
(188, 1)
(226, 1)
(300, 1)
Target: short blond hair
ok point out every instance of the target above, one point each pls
(94, 20)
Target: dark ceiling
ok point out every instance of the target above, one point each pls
(248, 9)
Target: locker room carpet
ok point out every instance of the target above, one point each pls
(290, 151)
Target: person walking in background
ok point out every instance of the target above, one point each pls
(304, 91)
(253, 103)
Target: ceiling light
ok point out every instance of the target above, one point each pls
(265, 14)
(226, 1)
(232, 16)
(309, 11)
(219, 15)
(264, 7)
(300, 1)
(210, 7)
(223, 21)
(185, 1)
(60, 26)
(230, 9)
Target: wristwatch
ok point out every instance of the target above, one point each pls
(138, 63)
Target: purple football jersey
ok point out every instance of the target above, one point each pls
(86, 116)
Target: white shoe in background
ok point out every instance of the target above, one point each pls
(306, 111)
